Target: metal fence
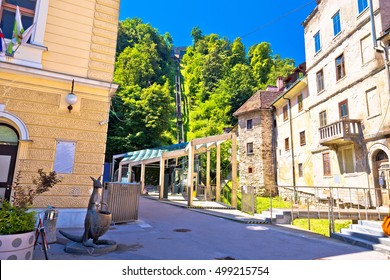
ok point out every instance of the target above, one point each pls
(319, 202)
(122, 201)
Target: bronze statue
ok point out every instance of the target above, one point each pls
(97, 220)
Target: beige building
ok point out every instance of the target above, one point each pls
(72, 49)
(347, 47)
(293, 132)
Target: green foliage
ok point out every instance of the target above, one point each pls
(226, 195)
(133, 31)
(280, 68)
(218, 76)
(321, 226)
(264, 203)
(15, 220)
(261, 62)
(144, 104)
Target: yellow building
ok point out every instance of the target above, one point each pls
(72, 48)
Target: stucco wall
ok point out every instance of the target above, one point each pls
(81, 38)
(364, 68)
(300, 121)
(40, 106)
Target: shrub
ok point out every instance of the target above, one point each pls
(16, 217)
(15, 220)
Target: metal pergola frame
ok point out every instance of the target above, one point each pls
(189, 149)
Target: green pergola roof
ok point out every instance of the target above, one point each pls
(137, 156)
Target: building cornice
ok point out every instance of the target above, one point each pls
(34, 72)
(372, 73)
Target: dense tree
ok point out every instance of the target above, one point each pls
(238, 53)
(260, 59)
(144, 103)
(218, 77)
(280, 68)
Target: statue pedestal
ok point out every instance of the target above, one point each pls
(80, 249)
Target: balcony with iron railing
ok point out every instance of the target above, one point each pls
(340, 132)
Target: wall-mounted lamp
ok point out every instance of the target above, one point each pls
(71, 98)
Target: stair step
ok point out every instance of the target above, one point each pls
(371, 224)
(367, 229)
(362, 242)
(274, 214)
(380, 239)
(280, 211)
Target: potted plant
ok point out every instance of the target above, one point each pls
(18, 221)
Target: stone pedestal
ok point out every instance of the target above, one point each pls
(80, 249)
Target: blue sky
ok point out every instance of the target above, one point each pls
(278, 22)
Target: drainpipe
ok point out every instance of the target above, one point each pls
(292, 140)
(372, 19)
(274, 146)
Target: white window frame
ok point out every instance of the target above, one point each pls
(315, 42)
(321, 119)
(342, 149)
(340, 65)
(360, 12)
(320, 90)
(334, 23)
(31, 54)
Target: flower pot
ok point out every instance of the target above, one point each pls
(17, 246)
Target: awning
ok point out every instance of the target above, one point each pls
(136, 157)
(151, 155)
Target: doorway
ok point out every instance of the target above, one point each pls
(381, 160)
(9, 139)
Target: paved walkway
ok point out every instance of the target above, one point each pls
(168, 232)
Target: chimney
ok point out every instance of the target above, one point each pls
(279, 83)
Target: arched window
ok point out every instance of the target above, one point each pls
(8, 135)
(381, 156)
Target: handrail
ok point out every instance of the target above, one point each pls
(338, 202)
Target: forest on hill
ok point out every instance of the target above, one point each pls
(217, 77)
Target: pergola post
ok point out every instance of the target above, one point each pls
(208, 184)
(218, 179)
(162, 171)
(190, 177)
(234, 169)
(143, 165)
(129, 174)
(120, 173)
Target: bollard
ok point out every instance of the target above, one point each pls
(50, 224)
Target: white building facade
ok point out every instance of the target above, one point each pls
(347, 48)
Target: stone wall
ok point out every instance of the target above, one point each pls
(261, 161)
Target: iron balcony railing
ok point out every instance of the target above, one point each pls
(345, 129)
